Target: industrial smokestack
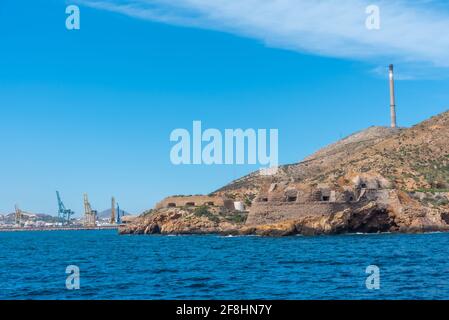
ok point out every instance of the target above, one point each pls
(392, 99)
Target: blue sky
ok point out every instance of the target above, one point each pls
(91, 110)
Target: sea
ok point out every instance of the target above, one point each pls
(104, 265)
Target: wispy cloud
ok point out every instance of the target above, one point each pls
(411, 33)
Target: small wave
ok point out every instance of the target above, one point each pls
(367, 233)
(197, 285)
(158, 271)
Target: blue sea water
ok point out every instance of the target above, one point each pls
(33, 265)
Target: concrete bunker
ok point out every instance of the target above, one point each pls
(291, 195)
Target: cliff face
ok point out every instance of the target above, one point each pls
(377, 180)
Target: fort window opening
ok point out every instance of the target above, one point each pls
(210, 203)
(363, 185)
(264, 199)
(171, 205)
(351, 198)
(190, 204)
(291, 199)
(325, 198)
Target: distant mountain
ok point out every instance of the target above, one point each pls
(107, 213)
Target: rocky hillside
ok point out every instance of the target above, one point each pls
(413, 159)
(408, 167)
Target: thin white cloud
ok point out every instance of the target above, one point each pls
(409, 33)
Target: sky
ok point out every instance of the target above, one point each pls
(91, 110)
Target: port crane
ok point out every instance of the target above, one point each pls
(115, 212)
(64, 214)
(112, 221)
(20, 215)
(90, 216)
(118, 214)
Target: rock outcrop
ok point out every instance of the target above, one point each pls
(377, 180)
(179, 221)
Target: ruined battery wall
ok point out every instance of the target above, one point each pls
(186, 201)
(276, 211)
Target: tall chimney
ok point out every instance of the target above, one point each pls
(392, 99)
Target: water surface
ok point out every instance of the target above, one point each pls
(33, 264)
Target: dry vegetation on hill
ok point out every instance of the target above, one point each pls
(413, 159)
(411, 166)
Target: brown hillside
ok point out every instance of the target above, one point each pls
(411, 159)
(376, 180)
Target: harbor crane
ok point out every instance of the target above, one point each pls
(119, 221)
(90, 216)
(112, 221)
(64, 214)
(21, 215)
(18, 215)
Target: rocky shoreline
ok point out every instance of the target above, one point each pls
(369, 218)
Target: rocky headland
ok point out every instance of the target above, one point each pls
(377, 180)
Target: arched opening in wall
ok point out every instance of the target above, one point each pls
(351, 198)
(292, 198)
(190, 204)
(171, 205)
(264, 199)
(325, 198)
(210, 203)
(363, 185)
(445, 217)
